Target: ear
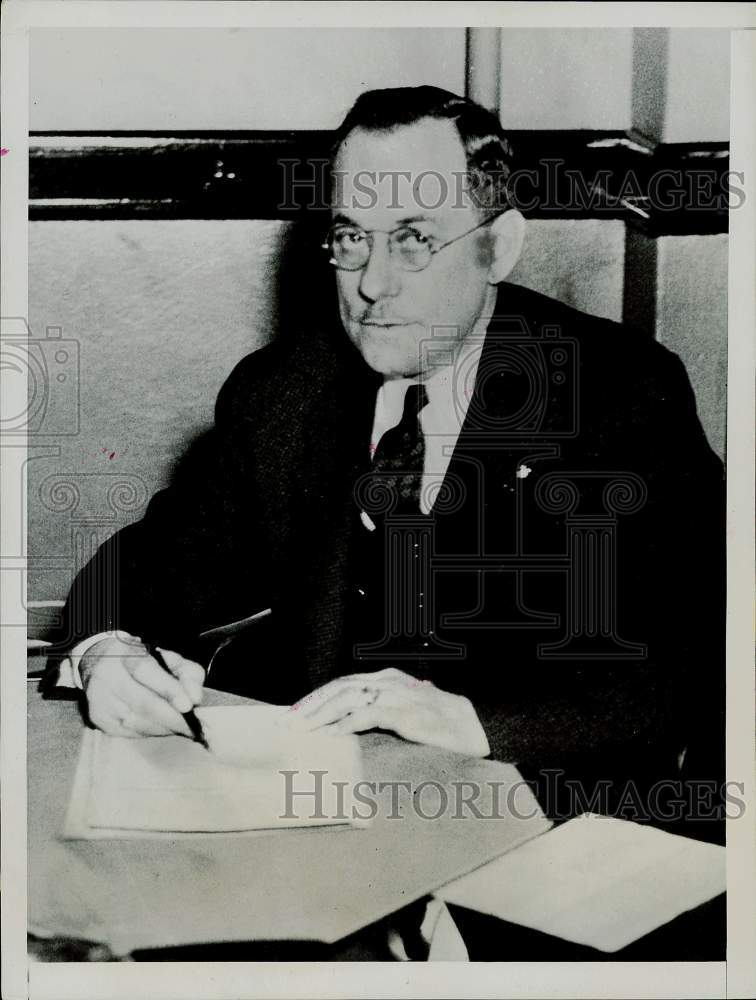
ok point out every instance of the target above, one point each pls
(508, 235)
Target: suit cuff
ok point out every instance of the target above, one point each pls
(68, 671)
(476, 730)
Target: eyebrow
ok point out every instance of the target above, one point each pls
(345, 220)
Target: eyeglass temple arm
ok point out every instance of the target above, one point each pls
(485, 222)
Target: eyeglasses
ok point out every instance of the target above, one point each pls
(350, 246)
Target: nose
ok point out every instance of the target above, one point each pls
(380, 278)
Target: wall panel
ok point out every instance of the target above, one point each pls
(227, 78)
(161, 312)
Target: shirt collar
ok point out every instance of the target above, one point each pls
(449, 388)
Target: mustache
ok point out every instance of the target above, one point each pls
(380, 318)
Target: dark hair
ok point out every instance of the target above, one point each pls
(487, 148)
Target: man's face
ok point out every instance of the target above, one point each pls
(410, 175)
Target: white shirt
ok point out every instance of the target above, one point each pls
(449, 391)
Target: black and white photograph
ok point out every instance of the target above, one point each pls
(376, 382)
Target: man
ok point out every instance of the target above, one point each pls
(480, 519)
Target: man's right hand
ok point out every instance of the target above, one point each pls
(129, 694)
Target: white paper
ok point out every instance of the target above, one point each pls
(173, 785)
(595, 880)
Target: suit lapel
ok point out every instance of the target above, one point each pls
(315, 447)
(311, 452)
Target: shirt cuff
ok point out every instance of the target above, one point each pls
(68, 670)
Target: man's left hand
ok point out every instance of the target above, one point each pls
(390, 699)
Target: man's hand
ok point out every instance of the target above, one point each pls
(390, 699)
(129, 694)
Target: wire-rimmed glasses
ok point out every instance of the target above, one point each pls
(350, 246)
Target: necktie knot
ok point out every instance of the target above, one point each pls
(415, 399)
(399, 457)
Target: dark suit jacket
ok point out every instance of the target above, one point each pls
(262, 514)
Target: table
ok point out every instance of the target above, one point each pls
(79, 889)
(319, 885)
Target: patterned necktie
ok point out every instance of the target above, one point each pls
(399, 457)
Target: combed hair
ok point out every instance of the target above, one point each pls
(487, 148)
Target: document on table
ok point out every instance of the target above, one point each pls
(596, 880)
(158, 786)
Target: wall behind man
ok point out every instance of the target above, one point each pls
(667, 85)
(671, 85)
(162, 310)
(227, 78)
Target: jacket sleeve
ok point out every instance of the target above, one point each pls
(671, 592)
(170, 574)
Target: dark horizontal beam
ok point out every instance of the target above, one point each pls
(662, 189)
